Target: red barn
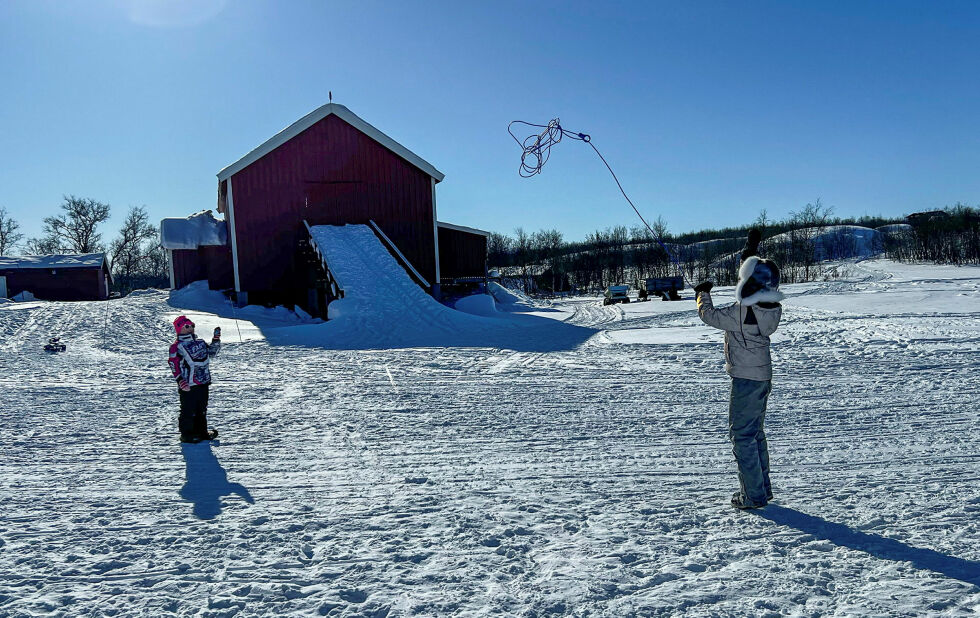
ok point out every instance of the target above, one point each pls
(333, 168)
(56, 277)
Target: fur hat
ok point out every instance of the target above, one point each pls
(179, 322)
(758, 282)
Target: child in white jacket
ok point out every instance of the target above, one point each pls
(748, 323)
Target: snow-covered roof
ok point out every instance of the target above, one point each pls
(316, 116)
(77, 260)
(197, 230)
(462, 228)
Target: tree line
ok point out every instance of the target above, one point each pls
(948, 236)
(544, 262)
(135, 257)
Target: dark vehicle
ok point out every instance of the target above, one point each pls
(616, 294)
(667, 288)
(54, 345)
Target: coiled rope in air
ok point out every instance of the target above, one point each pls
(537, 150)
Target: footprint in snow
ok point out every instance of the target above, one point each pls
(353, 595)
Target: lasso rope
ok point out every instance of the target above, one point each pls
(537, 150)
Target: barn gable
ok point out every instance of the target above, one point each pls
(316, 116)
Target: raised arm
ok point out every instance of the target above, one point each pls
(726, 318)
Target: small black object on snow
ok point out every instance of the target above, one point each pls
(54, 345)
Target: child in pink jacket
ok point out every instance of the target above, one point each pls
(189, 361)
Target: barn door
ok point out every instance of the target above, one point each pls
(3, 287)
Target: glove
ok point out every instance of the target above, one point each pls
(217, 332)
(752, 243)
(183, 385)
(704, 286)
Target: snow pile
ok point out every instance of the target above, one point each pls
(199, 229)
(509, 296)
(477, 304)
(198, 297)
(24, 296)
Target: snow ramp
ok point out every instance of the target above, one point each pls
(383, 307)
(372, 280)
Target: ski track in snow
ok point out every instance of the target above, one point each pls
(592, 480)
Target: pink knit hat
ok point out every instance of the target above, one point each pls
(179, 322)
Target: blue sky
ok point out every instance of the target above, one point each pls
(708, 111)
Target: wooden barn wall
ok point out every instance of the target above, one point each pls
(64, 284)
(187, 267)
(216, 262)
(329, 174)
(461, 254)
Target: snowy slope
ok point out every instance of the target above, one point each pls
(588, 478)
(384, 308)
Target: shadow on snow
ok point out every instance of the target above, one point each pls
(881, 547)
(518, 332)
(207, 482)
(511, 329)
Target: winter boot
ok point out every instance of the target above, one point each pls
(741, 502)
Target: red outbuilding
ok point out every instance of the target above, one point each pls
(331, 168)
(197, 249)
(83, 276)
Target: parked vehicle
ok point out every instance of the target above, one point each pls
(616, 294)
(667, 288)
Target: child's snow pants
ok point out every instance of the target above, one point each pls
(746, 429)
(193, 420)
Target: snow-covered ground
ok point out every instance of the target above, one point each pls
(568, 459)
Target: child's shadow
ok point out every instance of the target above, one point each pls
(967, 571)
(207, 481)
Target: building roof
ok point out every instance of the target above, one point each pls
(462, 228)
(78, 260)
(316, 116)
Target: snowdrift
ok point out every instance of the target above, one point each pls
(477, 304)
(197, 296)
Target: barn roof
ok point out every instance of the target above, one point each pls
(316, 116)
(77, 260)
(462, 228)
